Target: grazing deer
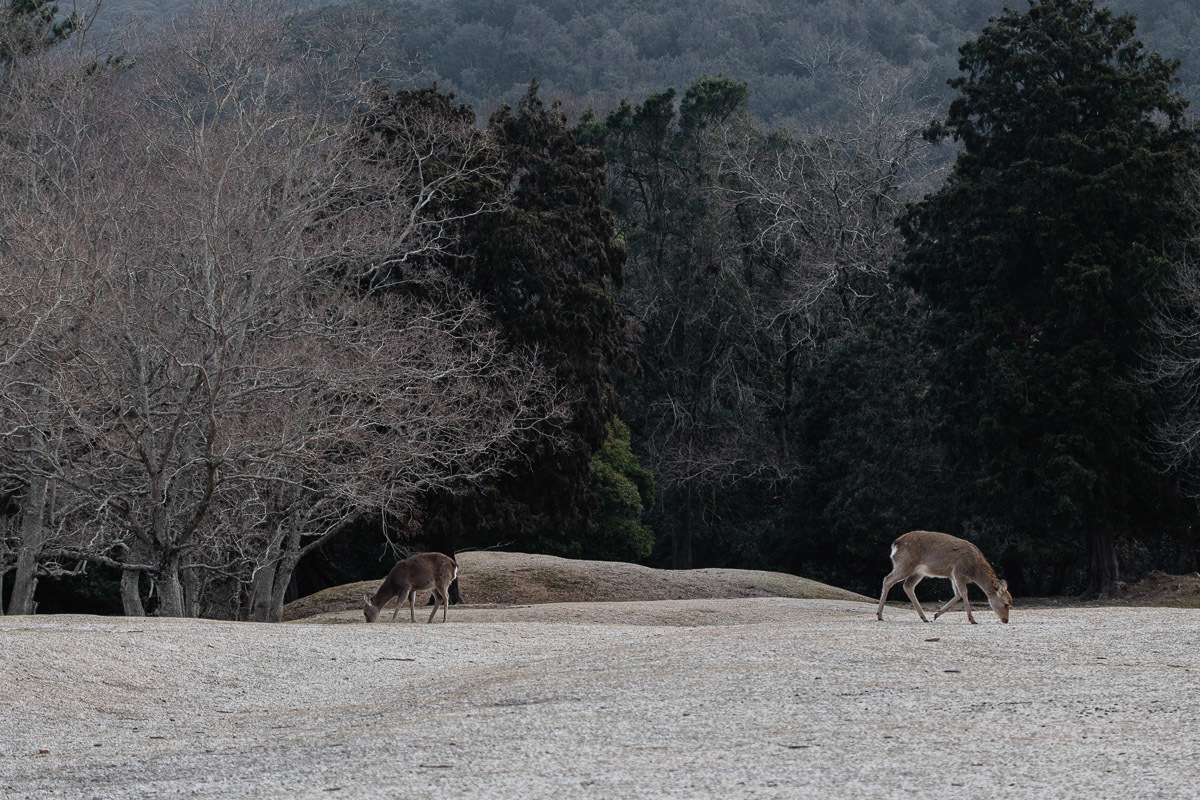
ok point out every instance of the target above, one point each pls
(925, 554)
(416, 574)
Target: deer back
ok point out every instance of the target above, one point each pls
(415, 574)
(939, 554)
(423, 571)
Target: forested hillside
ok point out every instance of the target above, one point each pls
(731, 300)
(799, 57)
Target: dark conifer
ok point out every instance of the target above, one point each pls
(1041, 258)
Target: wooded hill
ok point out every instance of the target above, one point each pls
(796, 55)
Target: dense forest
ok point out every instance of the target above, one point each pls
(760, 285)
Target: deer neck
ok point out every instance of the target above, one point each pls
(384, 595)
(985, 577)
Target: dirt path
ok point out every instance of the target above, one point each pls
(777, 698)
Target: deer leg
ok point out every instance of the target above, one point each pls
(399, 605)
(910, 586)
(412, 606)
(891, 580)
(961, 587)
(437, 600)
(445, 602)
(958, 595)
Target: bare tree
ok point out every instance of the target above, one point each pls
(823, 203)
(751, 255)
(46, 112)
(407, 398)
(231, 387)
(818, 208)
(1172, 366)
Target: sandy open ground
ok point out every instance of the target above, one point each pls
(759, 697)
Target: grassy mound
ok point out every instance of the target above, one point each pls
(492, 578)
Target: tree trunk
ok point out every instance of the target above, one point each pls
(190, 581)
(681, 539)
(283, 579)
(262, 594)
(32, 534)
(272, 581)
(269, 589)
(170, 589)
(789, 388)
(1103, 572)
(131, 597)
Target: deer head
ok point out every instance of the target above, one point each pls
(370, 610)
(1000, 599)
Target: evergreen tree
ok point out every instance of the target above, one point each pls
(545, 262)
(1041, 258)
(542, 255)
(620, 490)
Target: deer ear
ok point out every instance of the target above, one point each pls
(366, 600)
(1002, 586)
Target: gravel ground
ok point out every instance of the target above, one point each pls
(761, 697)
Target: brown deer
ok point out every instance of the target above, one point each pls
(926, 554)
(418, 573)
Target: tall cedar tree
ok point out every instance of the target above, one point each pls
(543, 259)
(1041, 258)
(545, 263)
